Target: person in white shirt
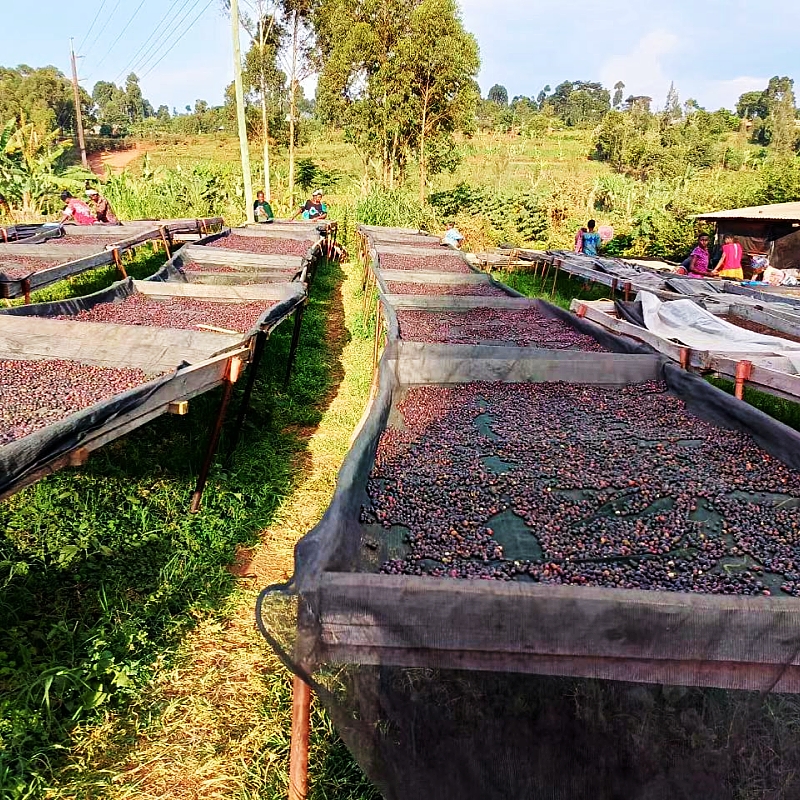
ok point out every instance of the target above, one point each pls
(452, 237)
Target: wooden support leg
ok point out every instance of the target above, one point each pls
(163, 233)
(627, 289)
(118, 262)
(26, 290)
(298, 322)
(298, 753)
(555, 279)
(686, 357)
(234, 368)
(244, 407)
(378, 331)
(614, 285)
(743, 371)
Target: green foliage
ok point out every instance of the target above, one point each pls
(204, 189)
(30, 172)
(42, 97)
(580, 102)
(394, 208)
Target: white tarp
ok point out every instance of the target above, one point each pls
(693, 326)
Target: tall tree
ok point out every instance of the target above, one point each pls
(672, 106)
(441, 63)
(388, 81)
(619, 88)
(498, 94)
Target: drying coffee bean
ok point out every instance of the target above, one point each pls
(35, 394)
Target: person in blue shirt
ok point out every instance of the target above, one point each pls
(591, 239)
(452, 236)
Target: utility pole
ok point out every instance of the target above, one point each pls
(237, 75)
(78, 116)
(293, 105)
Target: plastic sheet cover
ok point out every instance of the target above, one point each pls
(693, 326)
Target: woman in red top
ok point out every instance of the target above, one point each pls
(76, 210)
(730, 265)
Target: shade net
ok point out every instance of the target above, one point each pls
(555, 574)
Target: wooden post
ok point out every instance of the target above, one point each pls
(627, 289)
(234, 369)
(76, 95)
(378, 330)
(743, 371)
(118, 262)
(26, 289)
(555, 279)
(298, 753)
(241, 124)
(163, 233)
(686, 357)
(614, 285)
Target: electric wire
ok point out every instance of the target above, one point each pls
(154, 32)
(154, 49)
(119, 36)
(94, 22)
(167, 52)
(104, 26)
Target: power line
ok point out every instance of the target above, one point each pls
(105, 25)
(94, 21)
(166, 41)
(146, 41)
(164, 35)
(127, 25)
(194, 21)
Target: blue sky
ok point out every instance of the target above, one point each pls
(713, 50)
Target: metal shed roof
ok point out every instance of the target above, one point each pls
(783, 212)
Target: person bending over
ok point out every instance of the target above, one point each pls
(314, 208)
(452, 237)
(76, 210)
(591, 239)
(102, 208)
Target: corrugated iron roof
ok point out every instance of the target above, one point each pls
(783, 212)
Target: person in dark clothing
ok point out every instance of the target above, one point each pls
(102, 208)
(314, 208)
(262, 209)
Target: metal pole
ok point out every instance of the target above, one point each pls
(298, 753)
(78, 116)
(242, 125)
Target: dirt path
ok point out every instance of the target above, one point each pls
(116, 161)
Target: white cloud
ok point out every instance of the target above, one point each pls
(724, 94)
(642, 70)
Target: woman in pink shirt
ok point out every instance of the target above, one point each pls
(730, 265)
(76, 210)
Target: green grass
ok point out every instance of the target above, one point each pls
(104, 571)
(146, 261)
(785, 411)
(565, 290)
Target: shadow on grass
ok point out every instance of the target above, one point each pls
(101, 569)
